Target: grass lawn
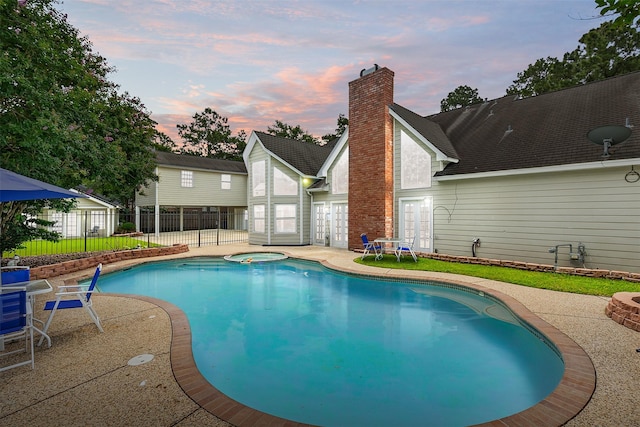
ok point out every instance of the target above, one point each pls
(535, 279)
(64, 246)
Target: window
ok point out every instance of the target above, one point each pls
(258, 218)
(186, 178)
(97, 219)
(258, 178)
(415, 164)
(225, 181)
(340, 174)
(284, 185)
(285, 218)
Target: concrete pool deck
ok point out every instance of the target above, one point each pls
(84, 378)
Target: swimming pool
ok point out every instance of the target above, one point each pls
(381, 349)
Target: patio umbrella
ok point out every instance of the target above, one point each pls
(14, 187)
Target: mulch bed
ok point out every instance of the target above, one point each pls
(37, 261)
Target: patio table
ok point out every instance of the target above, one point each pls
(33, 288)
(384, 241)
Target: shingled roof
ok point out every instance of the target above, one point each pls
(307, 158)
(546, 130)
(197, 162)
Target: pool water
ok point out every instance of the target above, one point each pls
(299, 341)
(250, 257)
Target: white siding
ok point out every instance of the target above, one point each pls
(521, 217)
(206, 190)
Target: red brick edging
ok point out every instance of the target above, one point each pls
(624, 308)
(66, 267)
(576, 271)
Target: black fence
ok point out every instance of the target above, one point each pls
(92, 231)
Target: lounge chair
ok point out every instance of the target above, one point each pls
(80, 298)
(370, 248)
(94, 230)
(15, 323)
(406, 247)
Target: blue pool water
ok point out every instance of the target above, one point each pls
(299, 341)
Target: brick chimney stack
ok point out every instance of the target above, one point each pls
(370, 156)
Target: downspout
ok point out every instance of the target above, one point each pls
(301, 219)
(267, 183)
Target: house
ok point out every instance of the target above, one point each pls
(94, 215)
(281, 172)
(515, 179)
(194, 193)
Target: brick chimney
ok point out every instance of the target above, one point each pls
(370, 156)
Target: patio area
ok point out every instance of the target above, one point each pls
(85, 379)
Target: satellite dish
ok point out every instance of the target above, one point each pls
(608, 136)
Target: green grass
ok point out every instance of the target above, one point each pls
(64, 246)
(534, 279)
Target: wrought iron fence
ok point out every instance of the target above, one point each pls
(92, 231)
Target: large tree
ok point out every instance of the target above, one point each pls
(606, 51)
(61, 120)
(341, 127)
(461, 96)
(209, 135)
(628, 10)
(285, 130)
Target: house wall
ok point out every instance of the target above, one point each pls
(413, 193)
(255, 238)
(80, 220)
(147, 196)
(206, 190)
(329, 199)
(521, 217)
(270, 200)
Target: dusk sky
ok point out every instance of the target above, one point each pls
(255, 62)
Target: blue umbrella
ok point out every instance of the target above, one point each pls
(14, 187)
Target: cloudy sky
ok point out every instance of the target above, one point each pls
(255, 62)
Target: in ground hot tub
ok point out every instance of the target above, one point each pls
(247, 258)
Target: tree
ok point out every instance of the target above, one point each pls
(292, 132)
(163, 142)
(341, 127)
(209, 135)
(604, 52)
(460, 97)
(629, 10)
(61, 120)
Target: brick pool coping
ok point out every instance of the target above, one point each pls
(570, 396)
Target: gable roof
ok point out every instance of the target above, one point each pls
(95, 197)
(304, 157)
(436, 136)
(546, 130)
(196, 162)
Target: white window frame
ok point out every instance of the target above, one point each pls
(186, 179)
(283, 184)
(259, 218)
(225, 181)
(285, 222)
(340, 174)
(415, 164)
(258, 178)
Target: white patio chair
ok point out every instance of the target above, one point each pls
(406, 247)
(80, 298)
(15, 324)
